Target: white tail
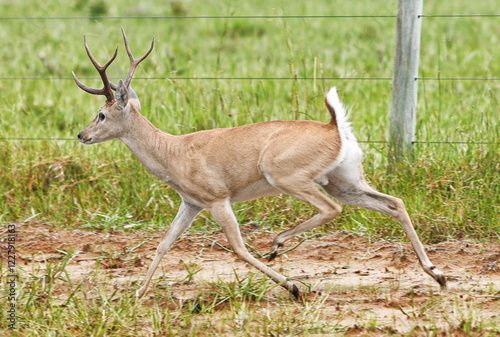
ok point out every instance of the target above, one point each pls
(214, 168)
(333, 102)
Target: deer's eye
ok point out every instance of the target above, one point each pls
(101, 116)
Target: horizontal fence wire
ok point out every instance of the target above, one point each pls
(211, 78)
(458, 78)
(359, 141)
(266, 17)
(459, 16)
(167, 17)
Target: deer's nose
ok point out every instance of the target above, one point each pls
(80, 135)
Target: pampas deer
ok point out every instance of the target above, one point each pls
(213, 169)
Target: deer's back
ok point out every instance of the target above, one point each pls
(226, 161)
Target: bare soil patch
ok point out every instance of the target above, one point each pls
(359, 281)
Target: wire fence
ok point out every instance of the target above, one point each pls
(378, 142)
(265, 17)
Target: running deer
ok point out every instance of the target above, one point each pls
(213, 169)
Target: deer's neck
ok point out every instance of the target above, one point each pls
(148, 144)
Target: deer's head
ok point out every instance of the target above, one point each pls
(111, 117)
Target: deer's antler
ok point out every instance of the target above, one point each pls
(134, 62)
(108, 85)
(107, 90)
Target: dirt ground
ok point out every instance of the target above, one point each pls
(364, 280)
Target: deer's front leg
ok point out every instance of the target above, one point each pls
(224, 215)
(184, 218)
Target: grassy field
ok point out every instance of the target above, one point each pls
(451, 190)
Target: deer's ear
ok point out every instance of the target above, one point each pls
(121, 96)
(133, 96)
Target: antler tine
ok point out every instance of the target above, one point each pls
(92, 58)
(134, 62)
(87, 88)
(107, 90)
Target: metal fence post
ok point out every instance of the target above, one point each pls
(403, 109)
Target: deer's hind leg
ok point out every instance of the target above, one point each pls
(352, 189)
(307, 192)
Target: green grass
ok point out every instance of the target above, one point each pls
(450, 190)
